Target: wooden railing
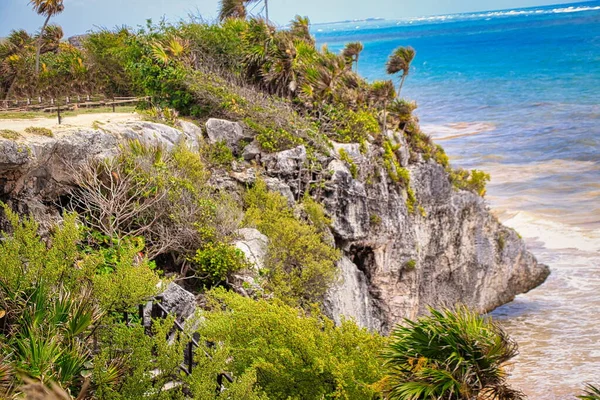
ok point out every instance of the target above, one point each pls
(159, 311)
(52, 104)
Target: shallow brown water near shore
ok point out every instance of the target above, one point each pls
(555, 207)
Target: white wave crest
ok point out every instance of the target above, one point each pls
(507, 13)
(553, 234)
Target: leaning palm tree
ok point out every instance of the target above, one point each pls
(49, 8)
(450, 355)
(352, 52)
(400, 60)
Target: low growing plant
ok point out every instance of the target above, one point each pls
(35, 130)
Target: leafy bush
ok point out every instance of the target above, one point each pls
(349, 126)
(160, 195)
(218, 154)
(300, 266)
(296, 355)
(346, 158)
(216, 261)
(450, 355)
(273, 139)
(474, 181)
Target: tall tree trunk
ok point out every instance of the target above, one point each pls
(39, 46)
(401, 83)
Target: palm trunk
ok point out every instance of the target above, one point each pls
(384, 117)
(39, 46)
(401, 83)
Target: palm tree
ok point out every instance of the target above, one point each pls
(49, 8)
(51, 39)
(400, 60)
(352, 52)
(300, 28)
(381, 93)
(450, 355)
(237, 9)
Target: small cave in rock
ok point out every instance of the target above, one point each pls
(364, 258)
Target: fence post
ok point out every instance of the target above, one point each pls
(141, 313)
(113, 103)
(190, 350)
(58, 111)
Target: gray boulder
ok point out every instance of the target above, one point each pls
(254, 245)
(231, 132)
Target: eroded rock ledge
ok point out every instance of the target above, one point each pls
(395, 262)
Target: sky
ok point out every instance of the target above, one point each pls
(82, 15)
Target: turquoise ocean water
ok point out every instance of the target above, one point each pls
(517, 93)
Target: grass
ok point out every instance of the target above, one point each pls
(9, 134)
(73, 113)
(34, 130)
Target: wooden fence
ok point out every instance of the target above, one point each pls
(55, 104)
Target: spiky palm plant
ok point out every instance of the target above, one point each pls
(51, 39)
(48, 8)
(381, 93)
(239, 9)
(590, 392)
(300, 28)
(352, 53)
(451, 355)
(280, 73)
(399, 61)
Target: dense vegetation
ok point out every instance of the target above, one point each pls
(150, 215)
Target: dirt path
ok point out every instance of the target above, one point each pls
(78, 121)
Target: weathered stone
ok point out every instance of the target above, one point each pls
(398, 139)
(350, 297)
(254, 245)
(251, 151)
(231, 132)
(287, 162)
(176, 301)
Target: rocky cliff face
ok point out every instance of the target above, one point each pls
(395, 262)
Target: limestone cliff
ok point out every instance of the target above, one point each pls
(395, 262)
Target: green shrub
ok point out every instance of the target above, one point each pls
(219, 154)
(410, 264)
(9, 134)
(396, 173)
(344, 156)
(300, 266)
(296, 355)
(348, 126)
(215, 261)
(273, 139)
(316, 214)
(35, 130)
(454, 355)
(163, 115)
(474, 181)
